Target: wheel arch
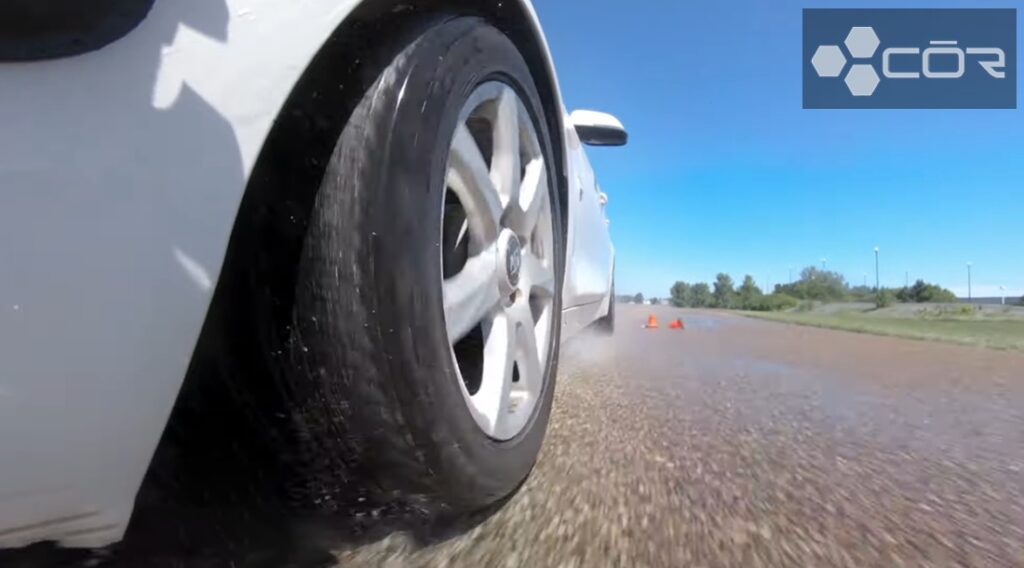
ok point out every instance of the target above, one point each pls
(250, 310)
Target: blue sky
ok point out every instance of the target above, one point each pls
(726, 172)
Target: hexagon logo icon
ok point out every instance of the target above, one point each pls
(862, 80)
(828, 61)
(862, 42)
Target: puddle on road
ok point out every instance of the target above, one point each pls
(703, 323)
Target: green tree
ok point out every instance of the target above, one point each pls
(883, 299)
(700, 295)
(922, 292)
(724, 292)
(748, 295)
(681, 293)
(904, 295)
(774, 302)
(780, 301)
(638, 298)
(655, 301)
(815, 284)
(862, 294)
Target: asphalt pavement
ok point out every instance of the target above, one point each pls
(737, 442)
(732, 442)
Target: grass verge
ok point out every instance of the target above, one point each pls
(991, 333)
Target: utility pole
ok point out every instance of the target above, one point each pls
(824, 262)
(906, 279)
(877, 280)
(970, 297)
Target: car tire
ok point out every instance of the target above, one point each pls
(377, 381)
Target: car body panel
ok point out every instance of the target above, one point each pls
(121, 172)
(588, 276)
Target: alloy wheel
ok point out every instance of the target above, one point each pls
(497, 254)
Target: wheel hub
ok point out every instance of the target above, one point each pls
(511, 250)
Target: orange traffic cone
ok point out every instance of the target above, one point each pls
(652, 322)
(677, 324)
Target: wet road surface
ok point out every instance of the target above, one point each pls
(739, 442)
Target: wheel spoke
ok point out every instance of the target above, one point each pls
(536, 276)
(531, 198)
(534, 193)
(468, 177)
(505, 173)
(471, 294)
(527, 354)
(492, 400)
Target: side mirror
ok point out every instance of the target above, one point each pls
(598, 128)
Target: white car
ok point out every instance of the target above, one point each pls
(333, 238)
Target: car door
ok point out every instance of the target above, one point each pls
(588, 271)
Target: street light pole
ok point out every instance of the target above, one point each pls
(877, 280)
(970, 297)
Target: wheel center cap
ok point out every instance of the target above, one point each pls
(513, 252)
